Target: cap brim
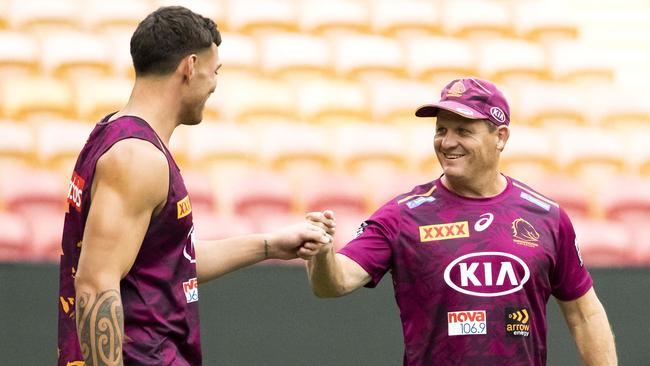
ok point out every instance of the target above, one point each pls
(431, 110)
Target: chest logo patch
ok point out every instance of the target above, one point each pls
(484, 222)
(452, 230)
(517, 322)
(469, 322)
(523, 233)
(487, 274)
(184, 207)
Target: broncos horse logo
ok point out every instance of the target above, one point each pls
(524, 233)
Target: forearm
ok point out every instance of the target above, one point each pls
(215, 258)
(595, 340)
(100, 325)
(325, 275)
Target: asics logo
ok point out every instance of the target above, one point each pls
(484, 222)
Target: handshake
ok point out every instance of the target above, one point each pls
(303, 240)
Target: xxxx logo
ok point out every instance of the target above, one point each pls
(444, 231)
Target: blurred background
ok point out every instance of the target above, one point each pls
(314, 109)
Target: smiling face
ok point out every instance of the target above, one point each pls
(468, 150)
(201, 85)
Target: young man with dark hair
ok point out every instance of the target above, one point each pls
(131, 266)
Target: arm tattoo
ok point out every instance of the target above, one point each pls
(100, 326)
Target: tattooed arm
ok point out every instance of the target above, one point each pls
(130, 185)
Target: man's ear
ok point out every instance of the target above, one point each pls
(503, 133)
(187, 66)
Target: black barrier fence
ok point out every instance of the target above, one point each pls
(266, 315)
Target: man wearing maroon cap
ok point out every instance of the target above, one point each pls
(474, 254)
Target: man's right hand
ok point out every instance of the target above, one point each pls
(327, 222)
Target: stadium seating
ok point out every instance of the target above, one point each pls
(310, 89)
(604, 243)
(477, 19)
(406, 18)
(36, 97)
(439, 59)
(536, 21)
(365, 56)
(290, 55)
(250, 16)
(333, 17)
(18, 55)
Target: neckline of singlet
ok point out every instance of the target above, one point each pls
(471, 200)
(105, 121)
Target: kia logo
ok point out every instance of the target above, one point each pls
(498, 114)
(494, 273)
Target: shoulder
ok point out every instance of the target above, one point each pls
(136, 167)
(531, 196)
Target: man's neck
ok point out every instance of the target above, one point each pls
(487, 186)
(152, 101)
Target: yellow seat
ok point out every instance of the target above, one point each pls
(406, 17)
(36, 97)
(95, 97)
(334, 17)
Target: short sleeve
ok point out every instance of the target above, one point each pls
(371, 249)
(570, 278)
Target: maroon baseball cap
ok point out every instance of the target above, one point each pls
(471, 98)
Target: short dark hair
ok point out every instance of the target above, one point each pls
(167, 35)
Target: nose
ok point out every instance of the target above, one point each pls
(448, 141)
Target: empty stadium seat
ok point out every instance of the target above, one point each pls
(394, 101)
(115, 16)
(75, 55)
(58, 143)
(251, 16)
(334, 17)
(245, 99)
(529, 153)
(238, 53)
(620, 108)
(419, 142)
(330, 191)
(201, 192)
(42, 16)
(604, 243)
(440, 59)
(405, 18)
(552, 105)
(512, 61)
(292, 54)
(95, 97)
(538, 21)
(477, 19)
(371, 150)
(326, 100)
(36, 97)
(358, 56)
(591, 153)
(625, 199)
(215, 143)
(18, 55)
(17, 141)
(576, 62)
(296, 147)
(258, 195)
